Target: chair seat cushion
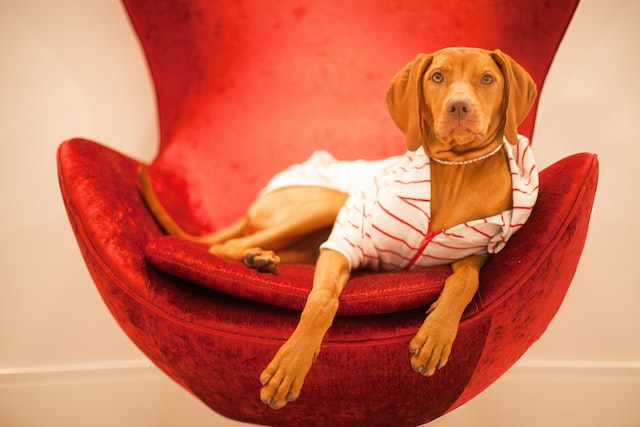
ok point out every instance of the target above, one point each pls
(368, 292)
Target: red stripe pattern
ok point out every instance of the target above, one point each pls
(386, 226)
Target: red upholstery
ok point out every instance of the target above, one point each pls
(246, 88)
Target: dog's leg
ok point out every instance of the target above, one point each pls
(305, 251)
(231, 231)
(250, 249)
(283, 378)
(286, 220)
(431, 347)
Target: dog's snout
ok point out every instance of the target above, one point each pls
(459, 106)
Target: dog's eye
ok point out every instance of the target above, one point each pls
(437, 77)
(487, 79)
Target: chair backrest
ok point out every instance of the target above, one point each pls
(246, 87)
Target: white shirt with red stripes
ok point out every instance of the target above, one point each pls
(386, 226)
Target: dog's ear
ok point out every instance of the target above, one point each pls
(405, 100)
(519, 94)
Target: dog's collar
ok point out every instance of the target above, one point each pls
(466, 162)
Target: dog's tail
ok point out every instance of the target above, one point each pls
(158, 211)
(171, 227)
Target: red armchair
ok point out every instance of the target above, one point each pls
(246, 88)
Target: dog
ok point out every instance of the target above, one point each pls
(467, 182)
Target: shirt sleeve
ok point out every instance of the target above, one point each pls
(348, 235)
(352, 231)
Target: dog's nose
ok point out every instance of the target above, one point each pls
(459, 106)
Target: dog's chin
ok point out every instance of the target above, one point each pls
(460, 138)
(458, 145)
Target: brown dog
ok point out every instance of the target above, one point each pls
(457, 107)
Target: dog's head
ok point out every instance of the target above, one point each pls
(457, 101)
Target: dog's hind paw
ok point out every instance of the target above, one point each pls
(262, 261)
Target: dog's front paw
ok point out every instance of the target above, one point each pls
(431, 347)
(282, 380)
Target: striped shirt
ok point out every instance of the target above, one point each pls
(386, 226)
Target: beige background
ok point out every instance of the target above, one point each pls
(73, 68)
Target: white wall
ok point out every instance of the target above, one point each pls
(73, 68)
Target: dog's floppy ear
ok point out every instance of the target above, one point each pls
(519, 93)
(405, 100)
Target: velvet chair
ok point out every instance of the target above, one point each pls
(245, 88)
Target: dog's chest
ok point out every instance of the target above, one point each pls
(459, 196)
